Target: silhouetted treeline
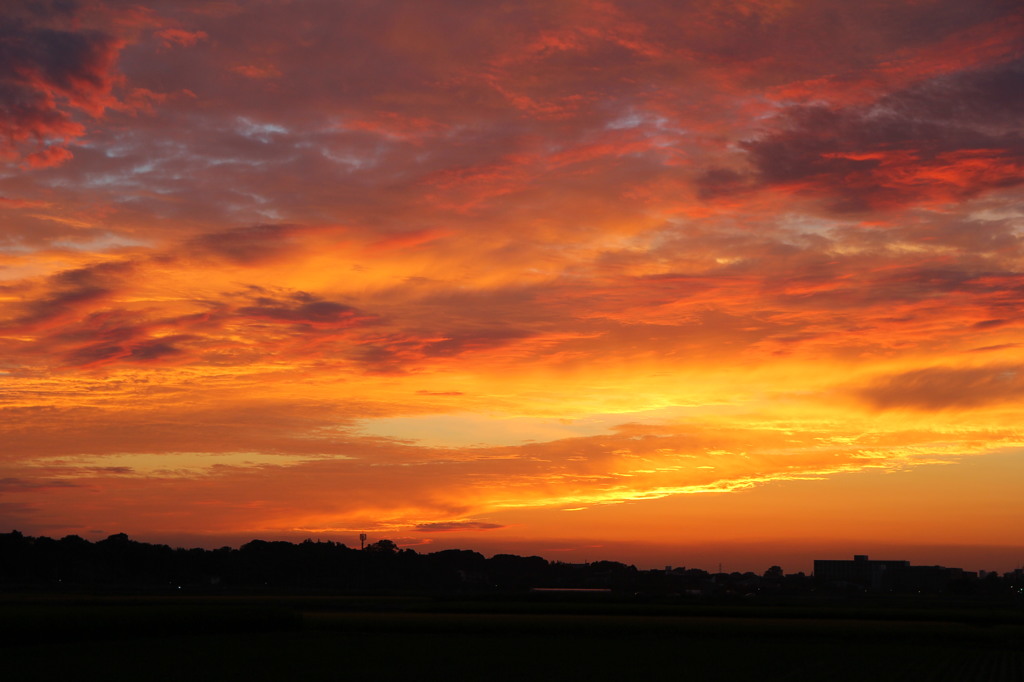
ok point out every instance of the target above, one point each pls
(41, 563)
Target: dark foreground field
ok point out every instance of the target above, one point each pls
(245, 638)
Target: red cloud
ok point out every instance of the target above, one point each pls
(172, 37)
(257, 72)
(21, 203)
(912, 146)
(50, 76)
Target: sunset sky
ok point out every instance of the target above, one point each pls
(663, 282)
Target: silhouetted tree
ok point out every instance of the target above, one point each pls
(382, 547)
(118, 561)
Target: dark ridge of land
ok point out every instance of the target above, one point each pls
(119, 565)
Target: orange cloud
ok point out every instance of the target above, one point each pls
(438, 270)
(941, 388)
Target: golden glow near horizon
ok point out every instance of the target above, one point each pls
(447, 274)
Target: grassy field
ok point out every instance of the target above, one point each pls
(373, 639)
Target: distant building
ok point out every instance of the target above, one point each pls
(867, 573)
(885, 576)
(928, 579)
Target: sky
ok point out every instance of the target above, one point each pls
(730, 282)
